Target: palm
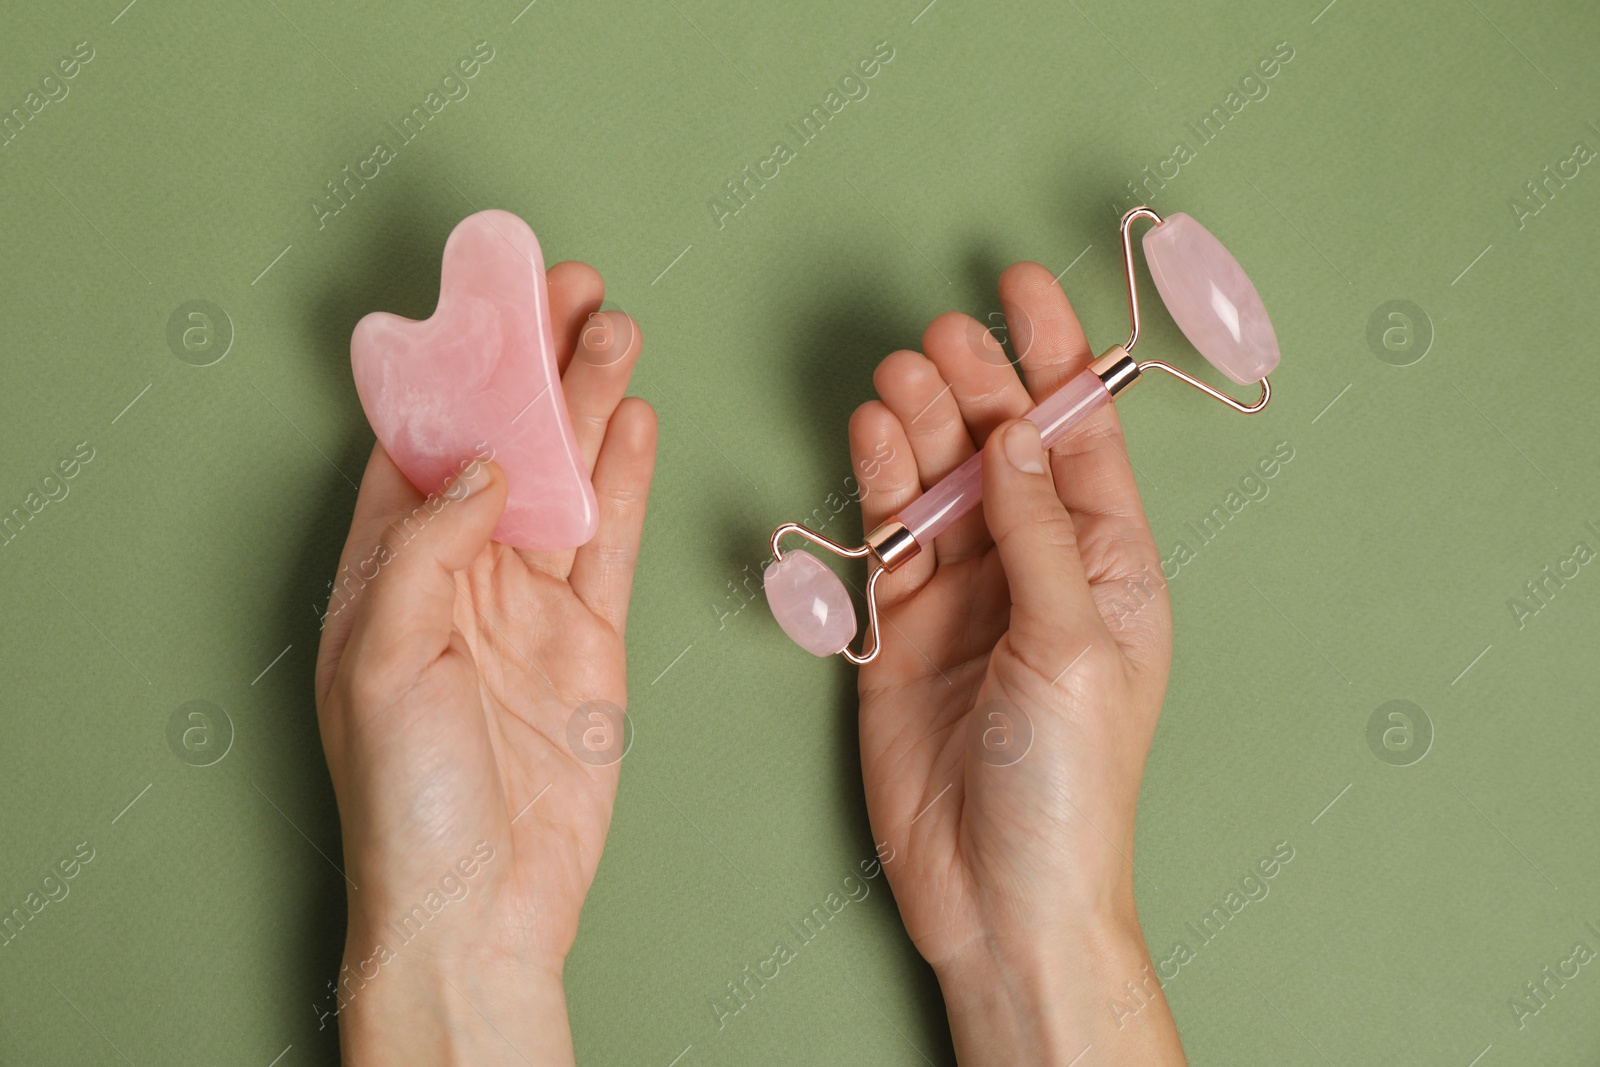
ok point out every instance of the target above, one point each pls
(520, 783)
(953, 785)
(938, 669)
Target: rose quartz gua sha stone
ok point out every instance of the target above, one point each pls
(481, 371)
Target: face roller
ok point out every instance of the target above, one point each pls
(1210, 298)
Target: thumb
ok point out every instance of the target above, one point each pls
(1051, 606)
(408, 613)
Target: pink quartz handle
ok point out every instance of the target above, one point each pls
(959, 492)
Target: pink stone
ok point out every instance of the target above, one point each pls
(810, 603)
(479, 377)
(1211, 299)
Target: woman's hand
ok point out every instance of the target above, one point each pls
(446, 684)
(1004, 726)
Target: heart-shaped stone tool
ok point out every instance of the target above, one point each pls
(479, 377)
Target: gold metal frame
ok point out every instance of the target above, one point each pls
(891, 544)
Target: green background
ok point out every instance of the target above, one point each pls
(197, 544)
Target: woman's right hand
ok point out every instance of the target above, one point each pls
(1005, 723)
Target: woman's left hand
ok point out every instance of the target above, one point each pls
(449, 685)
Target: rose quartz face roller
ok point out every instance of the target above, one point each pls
(479, 377)
(1215, 305)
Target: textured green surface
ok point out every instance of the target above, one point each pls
(194, 547)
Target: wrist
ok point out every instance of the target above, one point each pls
(405, 1005)
(1046, 999)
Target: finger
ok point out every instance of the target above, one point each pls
(1052, 611)
(1094, 480)
(596, 379)
(602, 570)
(1093, 475)
(1045, 332)
(576, 292)
(886, 472)
(912, 387)
(407, 614)
(985, 386)
(384, 492)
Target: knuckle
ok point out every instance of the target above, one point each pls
(615, 558)
(1123, 557)
(1049, 521)
(621, 500)
(1041, 526)
(590, 420)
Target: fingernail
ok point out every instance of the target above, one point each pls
(1024, 448)
(473, 477)
(605, 338)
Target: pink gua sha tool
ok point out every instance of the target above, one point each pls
(479, 377)
(1210, 298)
